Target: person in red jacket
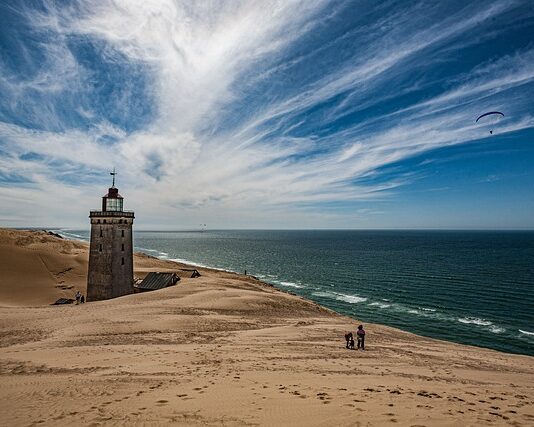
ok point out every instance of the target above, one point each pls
(360, 333)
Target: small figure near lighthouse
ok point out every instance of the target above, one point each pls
(110, 272)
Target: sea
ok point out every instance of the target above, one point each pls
(470, 287)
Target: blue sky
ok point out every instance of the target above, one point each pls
(268, 114)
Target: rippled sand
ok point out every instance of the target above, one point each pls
(224, 349)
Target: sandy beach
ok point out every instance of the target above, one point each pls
(224, 349)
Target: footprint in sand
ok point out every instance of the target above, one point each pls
(495, 413)
(162, 402)
(324, 397)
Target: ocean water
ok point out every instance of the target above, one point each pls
(471, 287)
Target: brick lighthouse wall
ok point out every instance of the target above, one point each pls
(110, 272)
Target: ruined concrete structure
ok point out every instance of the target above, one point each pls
(111, 250)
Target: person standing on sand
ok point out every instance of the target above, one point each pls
(361, 337)
(78, 295)
(349, 338)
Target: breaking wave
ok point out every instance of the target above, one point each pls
(475, 321)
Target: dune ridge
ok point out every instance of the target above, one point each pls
(224, 349)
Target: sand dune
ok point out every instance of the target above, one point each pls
(224, 349)
(37, 267)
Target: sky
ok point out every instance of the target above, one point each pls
(268, 114)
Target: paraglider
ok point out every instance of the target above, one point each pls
(493, 114)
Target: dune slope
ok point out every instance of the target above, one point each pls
(224, 349)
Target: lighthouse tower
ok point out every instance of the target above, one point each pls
(111, 250)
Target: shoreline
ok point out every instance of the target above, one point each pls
(225, 348)
(290, 292)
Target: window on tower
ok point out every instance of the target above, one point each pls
(113, 204)
(122, 261)
(100, 232)
(100, 248)
(122, 233)
(122, 247)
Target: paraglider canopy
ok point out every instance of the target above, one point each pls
(489, 114)
(494, 114)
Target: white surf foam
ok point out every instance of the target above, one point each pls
(351, 299)
(496, 329)
(290, 284)
(526, 332)
(323, 294)
(71, 236)
(474, 321)
(379, 305)
(195, 264)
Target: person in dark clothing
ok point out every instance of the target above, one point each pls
(351, 342)
(82, 299)
(360, 333)
(348, 339)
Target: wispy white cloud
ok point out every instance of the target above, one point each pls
(198, 59)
